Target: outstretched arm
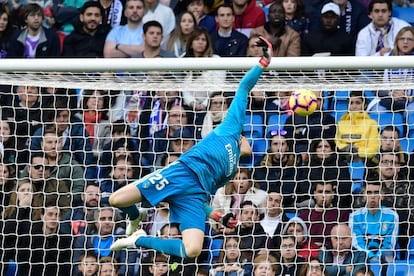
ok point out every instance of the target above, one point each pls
(233, 123)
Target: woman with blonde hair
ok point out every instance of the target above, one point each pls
(265, 265)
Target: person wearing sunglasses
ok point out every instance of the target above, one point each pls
(188, 183)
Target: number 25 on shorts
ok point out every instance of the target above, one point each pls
(159, 181)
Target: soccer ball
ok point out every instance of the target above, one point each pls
(303, 102)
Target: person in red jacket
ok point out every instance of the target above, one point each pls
(247, 16)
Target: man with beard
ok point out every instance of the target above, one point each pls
(88, 39)
(76, 221)
(127, 40)
(247, 16)
(34, 41)
(285, 40)
(329, 38)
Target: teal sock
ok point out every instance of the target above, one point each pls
(131, 211)
(167, 246)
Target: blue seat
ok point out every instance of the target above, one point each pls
(253, 126)
(389, 118)
(406, 14)
(407, 144)
(410, 122)
(357, 173)
(401, 267)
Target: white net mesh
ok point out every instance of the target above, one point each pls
(64, 144)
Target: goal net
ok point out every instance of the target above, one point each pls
(74, 131)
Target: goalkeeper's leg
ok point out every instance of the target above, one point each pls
(125, 199)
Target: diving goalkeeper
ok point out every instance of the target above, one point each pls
(187, 183)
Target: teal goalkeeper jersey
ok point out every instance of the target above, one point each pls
(215, 158)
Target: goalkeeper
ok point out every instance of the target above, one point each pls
(187, 183)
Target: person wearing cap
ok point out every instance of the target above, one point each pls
(188, 183)
(329, 38)
(377, 38)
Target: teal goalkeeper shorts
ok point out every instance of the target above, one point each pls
(181, 188)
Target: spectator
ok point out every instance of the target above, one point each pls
(158, 265)
(313, 268)
(163, 101)
(88, 39)
(274, 220)
(206, 21)
(397, 194)
(278, 169)
(63, 167)
(305, 248)
(94, 115)
(230, 260)
(7, 31)
(7, 142)
(377, 38)
(122, 173)
(35, 41)
(295, 15)
(375, 228)
(88, 264)
(329, 38)
(24, 209)
(265, 265)
(108, 267)
(357, 135)
(113, 12)
(247, 16)
(304, 129)
(290, 262)
(285, 40)
(390, 142)
(182, 140)
(242, 188)
(177, 41)
(23, 111)
(100, 240)
(199, 46)
(50, 254)
(353, 18)
(340, 258)
(326, 165)
(325, 215)
(7, 185)
(252, 234)
(127, 40)
(161, 13)
(403, 46)
(226, 41)
(74, 136)
(177, 117)
(49, 189)
(217, 110)
(122, 144)
(152, 41)
(364, 272)
(76, 221)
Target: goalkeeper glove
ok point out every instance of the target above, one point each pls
(267, 51)
(229, 220)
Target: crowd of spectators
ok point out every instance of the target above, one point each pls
(299, 206)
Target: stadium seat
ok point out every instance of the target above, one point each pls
(410, 123)
(253, 126)
(389, 118)
(401, 267)
(357, 172)
(406, 14)
(407, 144)
(339, 104)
